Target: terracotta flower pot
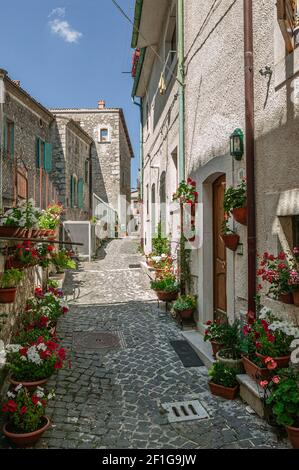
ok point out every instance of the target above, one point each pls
(8, 296)
(255, 372)
(293, 435)
(286, 298)
(185, 314)
(8, 231)
(13, 263)
(167, 296)
(282, 361)
(29, 385)
(26, 439)
(231, 241)
(216, 347)
(240, 215)
(296, 298)
(35, 233)
(225, 392)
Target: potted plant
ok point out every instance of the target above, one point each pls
(21, 220)
(25, 413)
(32, 366)
(185, 305)
(186, 192)
(223, 382)
(213, 333)
(167, 288)
(62, 261)
(44, 309)
(283, 397)
(229, 237)
(26, 255)
(253, 365)
(8, 285)
(282, 273)
(230, 353)
(235, 199)
(50, 219)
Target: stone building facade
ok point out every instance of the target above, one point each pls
(159, 116)
(27, 132)
(71, 168)
(214, 108)
(111, 154)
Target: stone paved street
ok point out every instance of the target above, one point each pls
(112, 398)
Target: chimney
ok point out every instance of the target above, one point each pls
(101, 104)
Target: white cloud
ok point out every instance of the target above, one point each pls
(60, 11)
(63, 29)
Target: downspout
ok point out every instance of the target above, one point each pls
(3, 74)
(181, 91)
(141, 163)
(250, 153)
(90, 183)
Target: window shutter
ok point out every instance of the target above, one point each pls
(285, 17)
(72, 191)
(5, 139)
(81, 193)
(48, 157)
(38, 152)
(12, 142)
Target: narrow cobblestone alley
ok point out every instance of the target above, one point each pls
(112, 398)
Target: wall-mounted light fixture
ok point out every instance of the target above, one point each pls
(237, 144)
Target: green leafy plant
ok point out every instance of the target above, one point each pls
(214, 331)
(235, 197)
(160, 244)
(44, 310)
(166, 284)
(27, 337)
(225, 229)
(10, 278)
(25, 410)
(231, 340)
(186, 192)
(185, 302)
(220, 374)
(283, 396)
(62, 261)
(52, 284)
(25, 215)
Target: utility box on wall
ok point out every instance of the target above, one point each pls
(80, 232)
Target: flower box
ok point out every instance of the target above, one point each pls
(281, 362)
(225, 392)
(255, 372)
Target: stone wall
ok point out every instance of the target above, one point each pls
(30, 122)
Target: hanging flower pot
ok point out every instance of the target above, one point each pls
(9, 231)
(8, 295)
(167, 296)
(231, 240)
(240, 215)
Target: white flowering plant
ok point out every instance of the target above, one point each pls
(25, 215)
(44, 309)
(34, 362)
(25, 410)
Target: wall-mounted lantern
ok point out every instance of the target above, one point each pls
(237, 144)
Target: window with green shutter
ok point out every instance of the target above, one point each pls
(38, 152)
(72, 193)
(81, 193)
(48, 157)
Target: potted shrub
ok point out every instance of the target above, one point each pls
(229, 237)
(8, 285)
(26, 255)
(235, 199)
(283, 397)
(213, 333)
(185, 305)
(230, 353)
(223, 382)
(167, 288)
(50, 219)
(25, 413)
(282, 273)
(32, 366)
(62, 261)
(44, 309)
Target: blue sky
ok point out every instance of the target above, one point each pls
(72, 56)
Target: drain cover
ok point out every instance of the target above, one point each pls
(184, 411)
(93, 340)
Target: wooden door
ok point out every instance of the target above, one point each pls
(219, 251)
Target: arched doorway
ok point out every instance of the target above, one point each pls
(219, 250)
(163, 203)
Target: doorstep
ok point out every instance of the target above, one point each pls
(147, 270)
(202, 348)
(251, 392)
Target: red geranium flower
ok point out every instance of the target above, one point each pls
(12, 406)
(23, 410)
(23, 351)
(34, 399)
(61, 354)
(58, 365)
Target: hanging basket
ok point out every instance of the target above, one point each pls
(231, 240)
(240, 215)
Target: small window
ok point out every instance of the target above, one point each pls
(104, 135)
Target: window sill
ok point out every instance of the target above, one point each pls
(286, 68)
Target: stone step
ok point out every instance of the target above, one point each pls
(251, 393)
(202, 348)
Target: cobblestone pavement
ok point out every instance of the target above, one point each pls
(112, 398)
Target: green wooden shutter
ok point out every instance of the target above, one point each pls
(12, 142)
(38, 152)
(48, 158)
(72, 195)
(81, 193)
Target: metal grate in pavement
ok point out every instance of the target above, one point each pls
(184, 411)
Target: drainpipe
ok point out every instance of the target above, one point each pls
(250, 153)
(181, 92)
(90, 183)
(3, 74)
(141, 162)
